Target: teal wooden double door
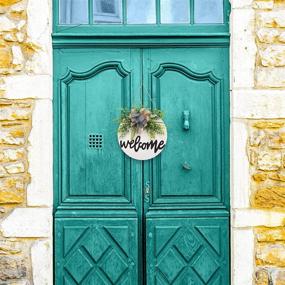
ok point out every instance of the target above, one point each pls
(122, 221)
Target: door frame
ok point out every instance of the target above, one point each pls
(214, 37)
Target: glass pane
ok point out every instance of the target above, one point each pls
(209, 11)
(73, 11)
(108, 11)
(173, 11)
(141, 12)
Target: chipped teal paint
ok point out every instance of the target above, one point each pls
(106, 231)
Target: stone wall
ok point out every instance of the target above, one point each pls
(270, 39)
(266, 144)
(266, 152)
(25, 143)
(15, 122)
(258, 142)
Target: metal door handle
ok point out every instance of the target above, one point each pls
(186, 166)
(186, 120)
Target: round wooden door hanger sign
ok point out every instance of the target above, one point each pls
(142, 134)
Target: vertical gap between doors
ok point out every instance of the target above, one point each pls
(144, 269)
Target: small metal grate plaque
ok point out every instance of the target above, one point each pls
(95, 141)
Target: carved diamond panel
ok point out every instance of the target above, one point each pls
(114, 266)
(205, 260)
(188, 251)
(96, 252)
(79, 263)
(171, 265)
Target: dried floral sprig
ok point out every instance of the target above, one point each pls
(138, 119)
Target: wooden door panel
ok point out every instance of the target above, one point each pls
(190, 251)
(98, 168)
(189, 171)
(96, 251)
(91, 96)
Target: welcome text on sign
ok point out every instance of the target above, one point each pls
(137, 144)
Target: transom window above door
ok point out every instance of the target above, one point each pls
(143, 18)
(141, 12)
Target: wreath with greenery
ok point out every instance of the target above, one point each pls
(138, 119)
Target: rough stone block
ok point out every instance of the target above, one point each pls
(3, 172)
(273, 56)
(7, 139)
(277, 177)
(3, 9)
(14, 113)
(277, 141)
(6, 24)
(18, 58)
(257, 138)
(15, 168)
(10, 37)
(264, 234)
(269, 197)
(21, 24)
(14, 182)
(12, 197)
(268, 124)
(260, 177)
(12, 189)
(265, 19)
(19, 7)
(270, 19)
(8, 155)
(8, 247)
(270, 254)
(279, 277)
(12, 267)
(8, 2)
(280, 20)
(6, 57)
(262, 277)
(269, 161)
(267, 35)
(20, 37)
(252, 157)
